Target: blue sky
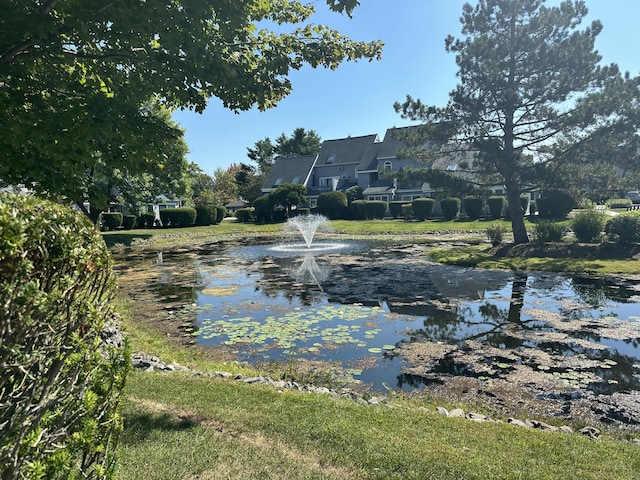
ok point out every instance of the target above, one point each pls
(357, 98)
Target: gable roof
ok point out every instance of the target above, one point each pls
(345, 150)
(289, 170)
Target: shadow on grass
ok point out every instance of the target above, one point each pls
(140, 426)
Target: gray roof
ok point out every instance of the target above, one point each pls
(289, 170)
(391, 142)
(345, 150)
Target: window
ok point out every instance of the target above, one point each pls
(452, 167)
(384, 198)
(278, 182)
(331, 158)
(295, 180)
(388, 165)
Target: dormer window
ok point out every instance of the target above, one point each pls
(388, 165)
(331, 158)
(452, 167)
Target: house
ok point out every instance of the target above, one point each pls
(236, 205)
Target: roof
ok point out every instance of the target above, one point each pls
(345, 150)
(289, 170)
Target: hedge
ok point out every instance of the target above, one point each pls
(111, 220)
(221, 212)
(263, 209)
(375, 209)
(395, 208)
(357, 209)
(496, 204)
(129, 221)
(147, 220)
(332, 204)
(473, 207)
(205, 215)
(624, 228)
(178, 217)
(450, 207)
(60, 380)
(244, 215)
(555, 204)
(423, 208)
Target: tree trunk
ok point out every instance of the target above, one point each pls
(517, 217)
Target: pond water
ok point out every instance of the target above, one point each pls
(384, 316)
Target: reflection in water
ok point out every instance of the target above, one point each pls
(310, 272)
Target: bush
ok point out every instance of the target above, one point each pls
(128, 221)
(619, 203)
(60, 382)
(178, 217)
(395, 208)
(450, 207)
(332, 204)
(263, 209)
(407, 211)
(147, 220)
(473, 207)
(375, 209)
(588, 225)
(624, 228)
(111, 220)
(357, 209)
(244, 215)
(496, 206)
(221, 212)
(423, 208)
(547, 231)
(555, 204)
(533, 207)
(495, 234)
(205, 215)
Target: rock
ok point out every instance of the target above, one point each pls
(442, 411)
(478, 417)
(457, 413)
(519, 423)
(591, 432)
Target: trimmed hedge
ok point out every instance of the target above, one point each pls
(332, 204)
(423, 208)
(450, 207)
(357, 209)
(375, 209)
(244, 215)
(221, 212)
(555, 204)
(111, 220)
(147, 220)
(178, 217)
(407, 211)
(395, 208)
(263, 209)
(496, 204)
(129, 221)
(473, 207)
(60, 381)
(205, 215)
(624, 228)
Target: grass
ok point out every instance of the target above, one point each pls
(183, 426)
(180, 426)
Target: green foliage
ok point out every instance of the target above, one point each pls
(450, 207)
(354, 193)
(618, 202)
(473, 206)
(206, 215)
(407, 211)
(395, 208)
(111, 220)
(495, 234)
(245, 215)
(357, 209)
(497, 203)
(178, 217)
(60, 381)
(548, 231)
(375, 209)
(332, 204)
(588, 225)
(263, 209)
(221, 212)
(147, 219)
(288, 195)
(533, 207)
(423, 208)
(624, 228)
(555, 204)
(128, 221)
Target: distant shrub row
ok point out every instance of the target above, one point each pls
(170, 217)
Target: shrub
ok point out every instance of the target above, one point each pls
(128, 221)
(619, 203)
(205, 215)
(221, 212)
(332, 204)
(450, 207)
(496, 206)
(624, 228)
(555, 204)
(357, 209)
(423, 208)
(588, 225)
(60, 382)
(524, 203)
(375, 209)
(111, 220)
(300, 212)
(533, 207)
(147, 220)
(473, 207)
(263, 209)
(244, 215)
(407, 211)
(395, 208)
(178, 217)
(547, 231)
(495, 234)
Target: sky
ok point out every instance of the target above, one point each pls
(357, 99)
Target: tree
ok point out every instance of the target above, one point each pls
(523, 69)
(75, 79)
(226, 189)
(301, 142)
(288, 195)
(249, 182)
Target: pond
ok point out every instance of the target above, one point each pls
(381, 314)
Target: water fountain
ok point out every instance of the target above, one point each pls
(307, 226)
